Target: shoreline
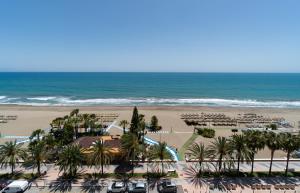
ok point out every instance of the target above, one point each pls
(143, 107)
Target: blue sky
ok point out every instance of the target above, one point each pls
(152, 35)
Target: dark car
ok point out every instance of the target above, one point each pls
(167, 186)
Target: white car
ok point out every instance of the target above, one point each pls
(16, 186)
(137, 187)
(117, 187)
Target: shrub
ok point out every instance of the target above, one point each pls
(207, 133)
(273, 126)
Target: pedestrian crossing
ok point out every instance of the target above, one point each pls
(159, 132)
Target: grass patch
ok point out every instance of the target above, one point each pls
(189, 142)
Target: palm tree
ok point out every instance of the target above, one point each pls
(70, 159)
(37, 134)
(255, 141)
(75, 120)
(273, 143)
(239, 147)
(160, 152)
(74, 112)
(57, 123)
(219, 149)
(198, 152)
(290, 143)
(38, 154)
(101, 155)
(10, 154)
(130, 146)
(124, 124)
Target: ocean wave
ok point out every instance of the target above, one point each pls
(41, 98)
(71, 101)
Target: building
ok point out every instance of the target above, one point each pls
(111, 142)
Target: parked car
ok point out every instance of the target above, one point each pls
(17, 186)
(137, 187)
(167, 186)
(117, 187)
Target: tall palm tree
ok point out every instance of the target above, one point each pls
(198, 152)
(219, 149)
(10, 154)
(273, 142)
(255, 140)
(289, 144)
(37, 134)
(101, 155)
(74, 112)
(38, 154)
(74, 122)
(70, 159)
(160, 152)
(86, 121)
(239, 148)
(130, 146)
(57, 123)
(124, 124)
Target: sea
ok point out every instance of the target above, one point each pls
(151, 89)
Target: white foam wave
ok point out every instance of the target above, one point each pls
(69, 101)
(41, 98)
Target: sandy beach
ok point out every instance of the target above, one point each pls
(176, 131)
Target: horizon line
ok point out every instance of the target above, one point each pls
(188, 72)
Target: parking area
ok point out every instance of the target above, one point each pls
(83, 190)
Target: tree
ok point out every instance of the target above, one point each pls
(154, 123)
(74, 113)
(255, 140)
(57, 123)
(198, 152)
(38, 154)
(10, 154)
(130, 146)
(273, 143)
(239, 147)
(159, 152)
(135, 121)
(37, 134)
(219, 149)
(290, 143)
(74, 121)
(70, 159)
(124, 124)
(101, 155)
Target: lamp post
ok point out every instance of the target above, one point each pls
(147, 177)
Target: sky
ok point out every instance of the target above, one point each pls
(150, 35)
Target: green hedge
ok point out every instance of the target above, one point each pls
(207, 133)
